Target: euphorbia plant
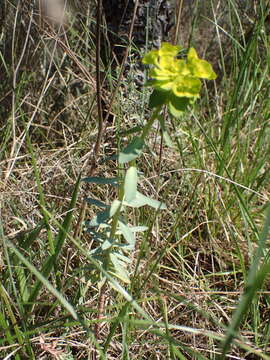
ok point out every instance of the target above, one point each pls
(176, 83)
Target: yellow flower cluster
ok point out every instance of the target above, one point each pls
(177, 75)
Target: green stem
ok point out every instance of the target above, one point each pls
(117, 214)
(149, 124)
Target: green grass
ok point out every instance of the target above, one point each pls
(200, 273)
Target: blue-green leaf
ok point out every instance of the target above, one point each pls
(138, 228)
(99, 219)
(119, 270)
(96, 203)
(142, 200)
(101, 180)
(132, 151)
(96, 235)
(123, 258)
(116, 204)
(89, 225)
(127, 233)
(103, 216)
(108, 243)
(130, 185)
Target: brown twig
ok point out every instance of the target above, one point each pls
(177, 28)
(100, 116)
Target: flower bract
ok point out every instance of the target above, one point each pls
(177, 77)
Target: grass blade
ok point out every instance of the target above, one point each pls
(254, 283)
(60, 239)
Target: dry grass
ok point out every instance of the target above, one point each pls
(192, 265)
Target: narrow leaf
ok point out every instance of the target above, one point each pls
(130, 185)
(116, 204)
(255, 281)
(60, 239)
(127, 233)
(123, 258)
(44, 281)
(26, 240)
(101, 180)
(103, 216)
(119, 269)
(138, 228)
(97, 203)
(142, 200)
(108, 243)
(132, 151)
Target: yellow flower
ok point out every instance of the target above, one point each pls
(176, 75)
